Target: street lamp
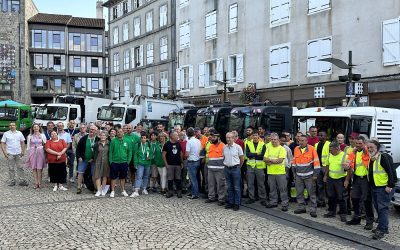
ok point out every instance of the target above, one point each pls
(155, 88)
(224, 91)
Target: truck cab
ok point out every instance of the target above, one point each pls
(216, 117)
(185, 117)
(120, 113)
(58, 112)
(21, 114)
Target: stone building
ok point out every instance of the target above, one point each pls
(270, 50)
(14, 40)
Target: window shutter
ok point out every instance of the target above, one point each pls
(239, 68)
(150, 88)
(324, 4)
(178, 79)
(201, 75)
(208, 23)
(274, 11)
(391, 42)
(285, 62)
(129, 5)
(206, 75)
(326, 51)
(190, 77)
(274, 64)
(220, 70)
(313, 51)
(312, 5)
(214, 24)
(233, 16)
(133, 58)
(141, 55)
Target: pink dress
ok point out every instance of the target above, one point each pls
(36, 157)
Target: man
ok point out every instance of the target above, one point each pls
(182, 141)
(288, 137)
(237, 140)
(312, 138)
(306, 167)
(173, 159)
(62, 135)
(233, 160)
(261, 132)
(275, 156)
(202, 173)
(13, 148)
(177, 129)
(120, 154)
(84, 153)
(322, 148)
(134, 139)
(125, 128)
(361, 191)
(138, 131)
(216, 178)
(255, 151)
(243, 169)
(288, 161)
(192, 149)
(70, 151)
(49, 128)
(337, 176)
(160, 128)
(295, 143)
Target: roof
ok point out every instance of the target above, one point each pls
(342, 111)
(68, 20)
(110, 3)
(11, 103)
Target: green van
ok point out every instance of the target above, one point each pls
(21, 114)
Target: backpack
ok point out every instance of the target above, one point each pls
(393, 167)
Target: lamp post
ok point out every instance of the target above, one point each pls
(155, 88)
(224, 91)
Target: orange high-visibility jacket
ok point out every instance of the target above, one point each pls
(306, 163)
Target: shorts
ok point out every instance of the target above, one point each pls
(83, 165)
(118, 170)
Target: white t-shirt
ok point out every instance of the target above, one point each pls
(65, 136)
(13, 142)
(193, 147)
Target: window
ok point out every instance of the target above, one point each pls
(183, 3)
(116, 89)
(210, 71)
(77, 64)
(150, 85)
(149, 21)
(279, 12)
(164, 48)
(115, 12)
(115, 36)
(233, 18)
(163, 15)
(57, 63)
(138, 85)
(116, 62)
(78, 83)
(164, 82)
(94, 84)
(56, 39)
(125, 32)
(94, 41)
(77, 40)
(10, 5)
(184, 78)
(149, 54)
(38, 61)
(211, 25)
(391, 42)
(57, 83)
(125, 7)
(279, 69)
(315, 6)
(184, 35)
(127, 88)
(319, 49)
(126, 59)
(94, 62)
(139, 56)
(39, 38)
(136, 26)
(39, 82)
(235, 69)
(137, 3)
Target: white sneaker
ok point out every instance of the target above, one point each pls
(98, 193)
(145, 191)
(124, 193)
(62, 188)
(55, 188)
(103, 193)
(134, 194)
(72, 180)
(112, 194)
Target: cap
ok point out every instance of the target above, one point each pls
(213, 132)
(354, 135)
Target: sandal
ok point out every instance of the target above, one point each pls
(36, 186)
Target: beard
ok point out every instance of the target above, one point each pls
(214, 141)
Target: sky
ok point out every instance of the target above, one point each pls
(77, 8)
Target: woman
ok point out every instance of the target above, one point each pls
(57, 159)
(162, 170)
(36, 157)
(101, 164)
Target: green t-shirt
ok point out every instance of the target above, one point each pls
(89, 148)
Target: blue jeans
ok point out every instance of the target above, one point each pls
(192, 169)
(71, 160)
(232, 177)
(142, 176)
(381, 200)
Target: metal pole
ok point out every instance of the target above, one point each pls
(224, 86)
(350, 76)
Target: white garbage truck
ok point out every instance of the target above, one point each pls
(66, 108)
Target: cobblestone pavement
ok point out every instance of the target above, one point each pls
(43, 219)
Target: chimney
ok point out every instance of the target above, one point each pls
(99, 9)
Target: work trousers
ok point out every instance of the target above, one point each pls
(309, 183)
(361, 197)
(275, 182)
(252, 174)
(337, 193)
(216, 181)
(321, 187)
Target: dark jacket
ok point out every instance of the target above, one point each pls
(386, 165)
(81, 148)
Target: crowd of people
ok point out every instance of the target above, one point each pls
(264, 166)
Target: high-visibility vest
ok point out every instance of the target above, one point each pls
(325, 152)
(360, 168)
(260, 164)
(276, 169)
(336, 170)
(216, 156)
(305, 162)
(245, 141)
(381, 178)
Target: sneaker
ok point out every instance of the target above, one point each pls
(55, 188)
(235, 207)
(354, 221)
(193, 197)
(62, 188)
(343, 218)
(313, 214)
(11, 184)
(375, 230)
(124, 193)
(378, 235)
(221, 203)
(209, 201)
(229, 206)
(145, 191)
(98, 193)
(72, 180)
(251, 201)
(284, 209)
(169, 195)
(79, 191)
(263, 203)
(112, 194)
(134, 194)
(300, 211)
(368, 226)
(23, 183)
(329, 215)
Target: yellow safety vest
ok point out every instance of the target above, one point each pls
(325, 152)
(275, 153)
(361, 170)
(260, 164)
(245, 141)
(336, 170)
(381, 178)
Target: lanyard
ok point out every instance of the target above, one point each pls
(91, 142)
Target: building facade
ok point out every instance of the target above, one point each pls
(141, 47)
(67, 56)
(14, 40)
(271, 50)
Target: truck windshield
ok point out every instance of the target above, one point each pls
(9, 114)
(331, 125)
(175, 119)
(52, 113)
(111, 113)
(239, 121)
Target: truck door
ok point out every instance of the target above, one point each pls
(130, 115)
